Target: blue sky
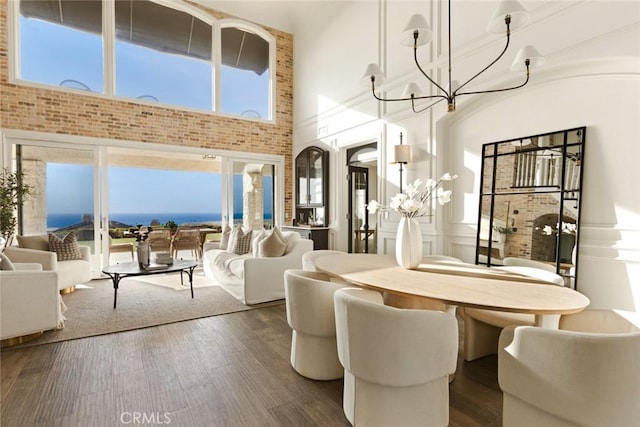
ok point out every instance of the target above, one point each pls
(135, 190)
(70, 190)
(52, 53)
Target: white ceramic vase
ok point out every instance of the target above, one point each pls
(142, 252)
(409, 243)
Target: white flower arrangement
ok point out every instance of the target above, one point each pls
(567, 228)
(416, 200)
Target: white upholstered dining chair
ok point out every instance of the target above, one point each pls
(562, 378)
(396, 361)
(309, 258)
(438, 258)
(524, 262)
(310, 314)
(482, 327)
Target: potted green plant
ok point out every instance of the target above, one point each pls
(171, 225)
(13, 192)
(502, 232)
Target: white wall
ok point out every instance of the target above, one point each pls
(591, 78)
(610, 214)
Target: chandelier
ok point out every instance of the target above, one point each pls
(509, 16)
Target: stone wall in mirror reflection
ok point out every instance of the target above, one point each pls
(530, 199)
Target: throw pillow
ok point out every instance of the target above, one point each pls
(224, 238)
(40, 242)
(233, 238)
(242, 242)
(5, 263)
(67, 248)
(277, 231)
(272, 245)
(256, 236)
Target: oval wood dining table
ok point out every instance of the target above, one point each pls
(457, 284)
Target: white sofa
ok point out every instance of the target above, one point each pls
(29, 301)
(254, 280)
(70, 273)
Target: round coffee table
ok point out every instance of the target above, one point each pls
(118, 272)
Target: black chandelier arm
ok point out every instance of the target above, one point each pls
(413, 107)
(373, 91)
(415, 58)
(499, 90)
(507, 22)
(428, 97)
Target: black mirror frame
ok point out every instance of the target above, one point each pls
(572, 139)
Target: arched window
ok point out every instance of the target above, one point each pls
(245, 72)
(157, 52)
(164, 53)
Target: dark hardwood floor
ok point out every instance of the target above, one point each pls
(230, 370)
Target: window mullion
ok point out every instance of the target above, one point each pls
(216, 56)
(13, 27)
(108, 46)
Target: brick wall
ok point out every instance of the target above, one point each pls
(45, 110)
(528, 240)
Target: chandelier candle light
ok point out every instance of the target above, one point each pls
(415, 202)
(418, 33)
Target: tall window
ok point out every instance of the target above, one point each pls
(61, 43)
(245, 73)
(162, 54)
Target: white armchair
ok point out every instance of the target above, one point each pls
(396, 362)
(565, 378)
(310, 314)
(29, 301)
(70, 273)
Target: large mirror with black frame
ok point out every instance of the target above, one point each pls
(530, 201)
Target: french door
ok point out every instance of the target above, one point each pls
(66, 190)
(359, 219)
(77, 187)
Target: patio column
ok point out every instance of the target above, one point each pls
(34, 209)
(252, 197)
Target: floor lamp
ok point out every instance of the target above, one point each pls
(402, 155)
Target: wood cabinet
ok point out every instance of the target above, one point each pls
(311, 187)
(319, 235)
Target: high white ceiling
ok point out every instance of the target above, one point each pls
(289, 16)
(293, 16)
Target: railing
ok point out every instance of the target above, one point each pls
(544, 169)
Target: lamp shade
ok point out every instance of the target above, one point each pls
(513, 8)
(375, 71)
(411, 89)
(419, 24)
(402, 154)
(528, 52)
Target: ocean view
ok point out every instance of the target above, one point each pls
(55, 221)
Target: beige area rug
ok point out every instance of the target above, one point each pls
(172, 280)
(141, 304)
